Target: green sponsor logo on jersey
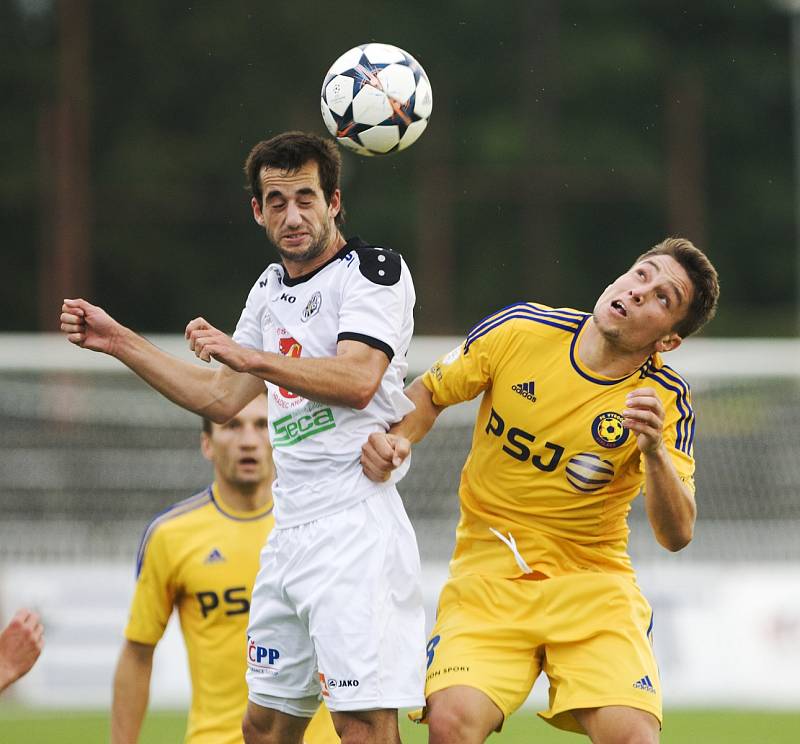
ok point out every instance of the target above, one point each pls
(294, 428)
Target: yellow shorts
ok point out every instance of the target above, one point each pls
(589, 633)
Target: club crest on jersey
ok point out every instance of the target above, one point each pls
(312, 308)
(608, 431)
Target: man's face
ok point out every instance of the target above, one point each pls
(641, 308)
(240, 449)
(298, 221)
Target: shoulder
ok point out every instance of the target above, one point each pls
(666, 378)
(273, 272)
(378, 264)
(170, 521)
(527, 318)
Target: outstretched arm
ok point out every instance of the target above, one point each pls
(670, 504)
(350, 378)
(385, 451)
(131, 692)
(218, 394)
(21, 643)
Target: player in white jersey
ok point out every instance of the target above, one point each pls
(336, 610)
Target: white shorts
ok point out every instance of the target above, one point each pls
(337, 613)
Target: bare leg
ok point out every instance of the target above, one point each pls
(618, 724)
(461, 715)
(268, 726)
(367, 726)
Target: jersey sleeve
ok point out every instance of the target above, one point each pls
(154, 595)
(377, 301)
(250, 328)
(467, 370)
(679, 423)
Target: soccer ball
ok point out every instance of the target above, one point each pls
(376, 99)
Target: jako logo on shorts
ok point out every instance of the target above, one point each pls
(261, 656)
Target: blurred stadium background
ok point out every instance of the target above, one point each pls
(566, 138)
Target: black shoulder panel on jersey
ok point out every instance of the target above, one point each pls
(379, 265)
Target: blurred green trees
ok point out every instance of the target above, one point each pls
(565, 139)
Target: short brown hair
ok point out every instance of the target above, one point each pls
(702, 275)
(290, 151)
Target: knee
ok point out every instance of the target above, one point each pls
(253, 733)
(450, 725)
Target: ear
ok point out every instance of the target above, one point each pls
(668, 343)
(258, 215)
(336, 203)
(206, 447)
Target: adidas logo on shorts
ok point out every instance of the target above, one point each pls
(644, 684)
(525, 389)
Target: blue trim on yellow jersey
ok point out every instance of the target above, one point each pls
(221, 510)
(684, 438)
(596, 380)
(566, 320)
(176, 510)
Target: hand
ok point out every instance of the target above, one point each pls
(382, 453)
(89, 326)
(210, 343)
(20, 645)
(644, 416)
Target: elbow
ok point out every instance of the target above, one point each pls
(678, 540)
(361, 396)
(220, 413)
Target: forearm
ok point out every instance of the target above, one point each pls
(131, 694)
(418, 423)
(669, 503)
(337, 380)
(202, 390)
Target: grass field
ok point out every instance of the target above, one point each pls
(19, 726)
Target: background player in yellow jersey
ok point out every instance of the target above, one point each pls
(578, 415)
(201, 556)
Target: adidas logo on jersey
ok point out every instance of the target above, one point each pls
(644, 684)
(214, 557)
(526, 390)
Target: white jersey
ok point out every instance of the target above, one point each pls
(364, 293)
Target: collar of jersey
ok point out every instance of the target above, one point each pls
(351, 243)
(230, 513)
(584, 371)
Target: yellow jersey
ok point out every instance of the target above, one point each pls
(551, 473)
(202, 556)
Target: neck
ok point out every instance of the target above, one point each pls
(244, 497)
(300, 268)
(605, 357)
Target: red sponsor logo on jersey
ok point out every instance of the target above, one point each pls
(292, 348)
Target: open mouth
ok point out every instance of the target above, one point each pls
(248, 461)
(619, 308)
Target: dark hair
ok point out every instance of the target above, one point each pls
(702, 275)
(290, 151)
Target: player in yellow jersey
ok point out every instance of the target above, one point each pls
(579, 414)
(201, 555)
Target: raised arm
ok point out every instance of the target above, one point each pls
(669, 503)
(131, 692)
(218, 394)
(385, 451)
(350, 378)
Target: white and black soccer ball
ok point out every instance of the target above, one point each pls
(376, 99)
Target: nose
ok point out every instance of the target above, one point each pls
(293, 217)
(637, 295)
(249, 439)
